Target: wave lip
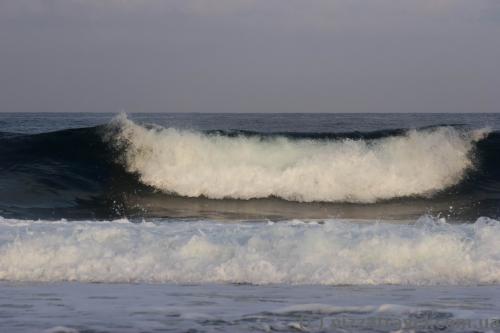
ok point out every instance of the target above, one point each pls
(193, 164)
(335, 252)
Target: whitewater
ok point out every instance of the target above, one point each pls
(428, 251)
(193, 164)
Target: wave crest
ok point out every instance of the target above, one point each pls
(192, 164)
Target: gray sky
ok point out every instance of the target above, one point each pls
(250, 55)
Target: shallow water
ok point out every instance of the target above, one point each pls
(61, 307)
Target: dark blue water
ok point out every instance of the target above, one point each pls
(59, 165)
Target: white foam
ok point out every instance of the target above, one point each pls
(324, 309)
(334, 309)
(336, 252)
(194, 164)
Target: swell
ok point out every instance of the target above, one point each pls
(123, 168)
(65, 173)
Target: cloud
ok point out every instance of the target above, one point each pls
(235, 7)
(250, 55)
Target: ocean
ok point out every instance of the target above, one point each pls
(249, 222)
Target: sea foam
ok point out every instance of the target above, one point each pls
(192, 164)
(332, 252)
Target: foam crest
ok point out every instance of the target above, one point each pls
(335, 252)
(194, 164)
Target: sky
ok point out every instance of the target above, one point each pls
(249, 55)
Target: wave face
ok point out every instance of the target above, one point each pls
(193, 164)
(126, 169)
(333, 252)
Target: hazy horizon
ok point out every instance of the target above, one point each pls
(249, 56)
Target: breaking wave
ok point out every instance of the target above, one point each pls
(193, 164)
(127, 169)
(331, 252)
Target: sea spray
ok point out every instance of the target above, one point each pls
(193, 164)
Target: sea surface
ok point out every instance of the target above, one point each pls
(249, 222)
